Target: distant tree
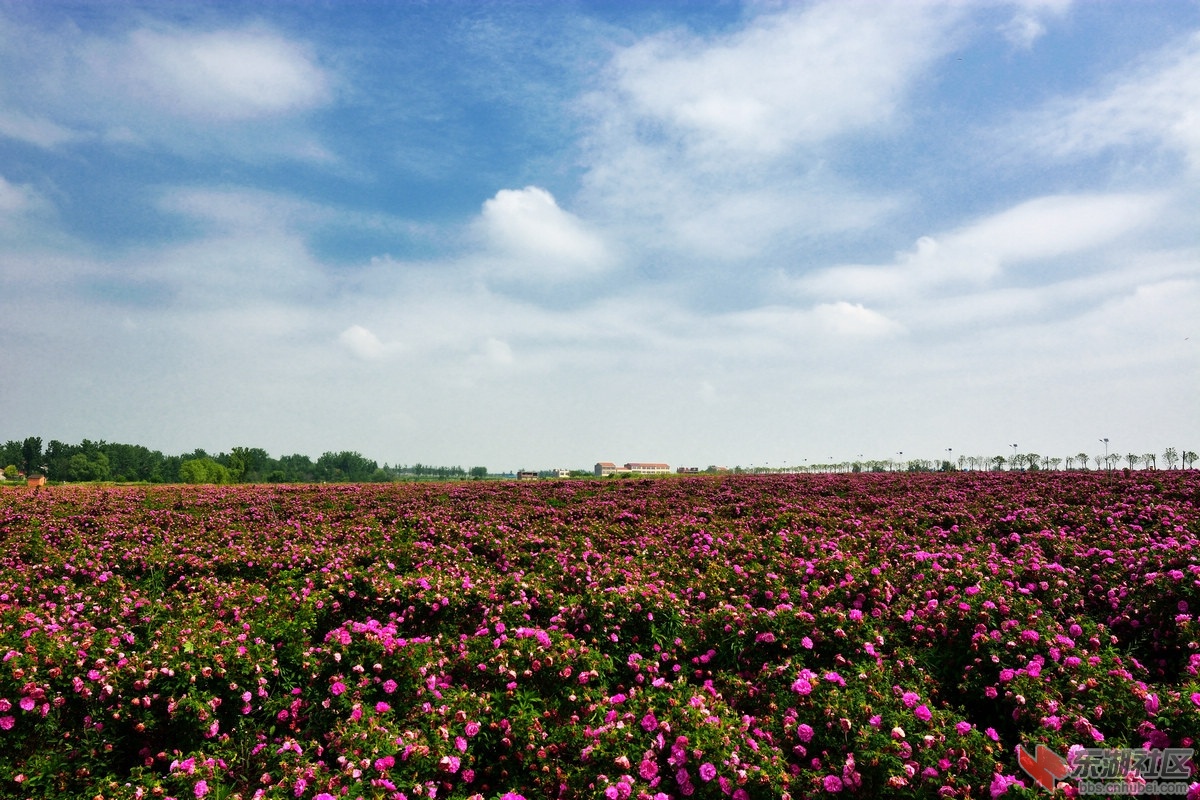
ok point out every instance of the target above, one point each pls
(1189, 457)
(479, 473)
(1055, 463)
(1132, 459)
(1171, 456)
(249, 464)
(345, 466)
(204, 470)
(10, 453)
(1113, 459)
(88, 467)
(998, 463)
(1099, 460)
(1150, 460)
(31, 454)
(1082, 458)
(11, 472)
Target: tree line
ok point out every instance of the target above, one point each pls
(112, 461)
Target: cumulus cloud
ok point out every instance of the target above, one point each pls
(529, 235)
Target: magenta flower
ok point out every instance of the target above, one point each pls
(201, 788)
(923, 713)
(804, 731)
(832, 783)
(707, 772)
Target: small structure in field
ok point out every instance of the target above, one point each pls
(35, 480)
(525, 475)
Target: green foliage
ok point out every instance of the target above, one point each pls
(204, 470)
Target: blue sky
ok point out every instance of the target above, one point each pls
(546, 234)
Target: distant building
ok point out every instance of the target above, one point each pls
(647, 468)
(35, 480)
(688, 470)
(524, 475)
(561, 473)
(604, 468)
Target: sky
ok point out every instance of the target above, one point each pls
(546, 234)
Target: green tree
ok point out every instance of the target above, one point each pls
(254, 463)
(1171, 456)
(204, 470)
(31, 454)
(1189, 457)
(88, 467)
(1082, 458)
(478, 473)
(1132, 459)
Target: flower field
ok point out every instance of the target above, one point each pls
(766, 636)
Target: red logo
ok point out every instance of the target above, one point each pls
(1046, 768)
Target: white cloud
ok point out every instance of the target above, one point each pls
(223, 75)
(34, 130)
(716, 147)
(799, 76)
(497, 351)
(363, 343)
(1027, 24)
(1038, 229)
(191, 91)
(13, 199)
(530, 236)
(852, 319)
(1158, 104)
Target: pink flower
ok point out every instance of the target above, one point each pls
(707, 772)
(337, 688)
(647, 769)
(910, 699)
(472, 728)
(27, 703)
(201, 788)
(832, 783)
(7, 722)
(389, 686)
(649, 722)
(804, 731)
(923, 713)
(382, 707)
